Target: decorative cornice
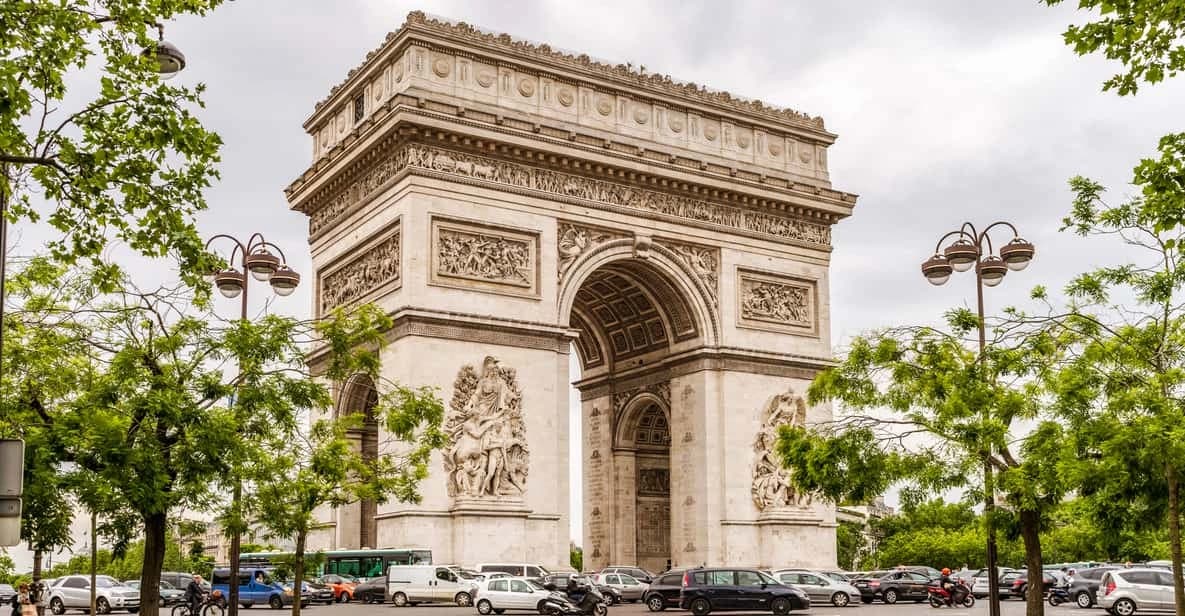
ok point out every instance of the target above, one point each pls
(505, 43)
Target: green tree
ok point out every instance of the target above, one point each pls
(1125, 390)
(298, 472)
(128, 160)
(576, 558)
(923, 409)
(1146, 36)
(850, 544)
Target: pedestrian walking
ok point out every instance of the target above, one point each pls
(26, 601)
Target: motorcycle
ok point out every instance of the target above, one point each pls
(940, 597)
(584, 601)
(1059, 595)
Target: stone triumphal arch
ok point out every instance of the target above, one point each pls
(508, 203)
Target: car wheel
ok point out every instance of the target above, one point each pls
(890, 596)
(399, 599)
(1084, 600)
(1124, 607)
(484, 607)
(463, 599)
(275, 602)
(780, 606)
(102, 606)
(840, 599)
(55, 606)
(699, 607)
(656, 604)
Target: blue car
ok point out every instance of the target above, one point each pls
(257, 586)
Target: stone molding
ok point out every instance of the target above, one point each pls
(777, 302)
(574, 240)
(369, 270)
(422, 30)
(623, 399)
(703, 261)
(481, 257)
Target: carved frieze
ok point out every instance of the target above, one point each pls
(767, 301)
(471, 255)
(575, 240)
(704, 261)
(486, 455)
(367, 271)
(423, 158)
(654, 481)
(771, 481)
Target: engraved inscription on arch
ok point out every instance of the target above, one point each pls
(485, 258)
(776, 303)
(371, 269)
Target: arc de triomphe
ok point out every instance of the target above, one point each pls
(507, 203)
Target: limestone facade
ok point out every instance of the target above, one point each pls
(507, 203)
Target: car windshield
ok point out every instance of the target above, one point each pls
(535, 585)
(106, 582)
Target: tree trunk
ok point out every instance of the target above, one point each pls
(155, 526)
(94, 561)
(37, 556)
(298, 571)
(1030, 532)
(1174, 514)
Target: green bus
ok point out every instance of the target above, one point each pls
(358, 564)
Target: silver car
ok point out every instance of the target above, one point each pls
(819, 586)
(627, 586)
(73, 592)
(1124, 591)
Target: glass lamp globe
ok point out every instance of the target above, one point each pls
(1017, 254)
(937, 269)
(230, 283)
(285, 281)
(262, 264)
(962, 255)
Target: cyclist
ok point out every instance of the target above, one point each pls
(194, 594)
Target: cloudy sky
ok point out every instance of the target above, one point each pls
(946, 111)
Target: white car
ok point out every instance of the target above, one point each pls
(73, 592)
(510, 593)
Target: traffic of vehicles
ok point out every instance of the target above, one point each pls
(409, 578)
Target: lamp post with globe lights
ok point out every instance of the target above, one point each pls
(255, 261)
(974, 249)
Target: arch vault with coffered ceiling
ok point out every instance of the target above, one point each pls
(508, 205)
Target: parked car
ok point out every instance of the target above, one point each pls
(663, 592)
(892, 586)
(1084, 585)
(627, 586)
(820, 587)
(708, 590)
(256, 587)
(319, 593)
(510, 593)
(168, 594)
(73, 592)
(372, 591)
(7, 594)
(342, 586)
(1020, 584)
(181, 581)
(1123, 591)
(979, 582)
(637, 573)
(415, 584)
(515, 569)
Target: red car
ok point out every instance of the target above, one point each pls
(343, 587)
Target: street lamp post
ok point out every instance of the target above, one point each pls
(256, 262)
(974, 249)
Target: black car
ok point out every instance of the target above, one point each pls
(319, 593)
(664, 591)
(372, 591)
(560, 581)
(1085, 583)
(708, 590)
(893, 586)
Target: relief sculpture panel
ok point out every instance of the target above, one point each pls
(776, 303)
(365, 272)
(486, 454)
(575, 240)
(475, 256)
(771, 481)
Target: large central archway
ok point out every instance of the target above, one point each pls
(634, 307)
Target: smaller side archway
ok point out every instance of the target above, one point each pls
(642, 463)
(356, 523)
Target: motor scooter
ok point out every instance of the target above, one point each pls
(583, 601)
(940, 597)
(1059, 595)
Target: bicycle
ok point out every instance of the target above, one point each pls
(213, 604)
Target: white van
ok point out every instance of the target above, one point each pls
(415, 584)
(514, 569)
